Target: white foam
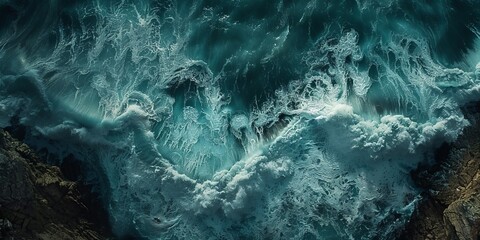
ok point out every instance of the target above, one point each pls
(177, 155)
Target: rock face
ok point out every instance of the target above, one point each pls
(451, 205)
(35, 200)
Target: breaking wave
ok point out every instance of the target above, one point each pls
(243, 119)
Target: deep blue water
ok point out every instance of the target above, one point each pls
(244, 119)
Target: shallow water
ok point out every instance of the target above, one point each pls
(243, 119)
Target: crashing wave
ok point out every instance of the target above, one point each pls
(242, 119)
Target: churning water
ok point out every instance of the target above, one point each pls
(246, 119)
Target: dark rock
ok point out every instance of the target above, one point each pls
(451, 206)
(36, 202)
(5, 228)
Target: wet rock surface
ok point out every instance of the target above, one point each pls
(36, 202)
(450, 208)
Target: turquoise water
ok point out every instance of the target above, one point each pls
(243, 119)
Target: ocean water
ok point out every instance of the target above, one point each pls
(243, 119)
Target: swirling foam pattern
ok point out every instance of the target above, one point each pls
(243, 119)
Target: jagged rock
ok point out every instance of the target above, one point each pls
(462, 217)
(451, 206)
(36, 199)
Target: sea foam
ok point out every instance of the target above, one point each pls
(243, 119)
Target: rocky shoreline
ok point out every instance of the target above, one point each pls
(37, 202)
(450, 208)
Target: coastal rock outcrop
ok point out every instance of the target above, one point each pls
(450, 208)
(36, 202)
